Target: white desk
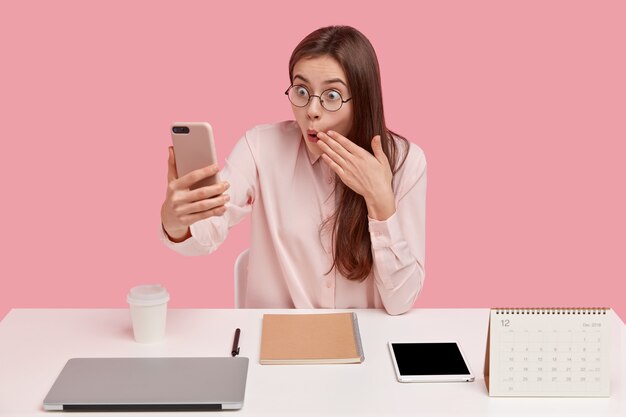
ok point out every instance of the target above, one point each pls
(36, 343)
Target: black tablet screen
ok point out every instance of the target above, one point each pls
(429, 359)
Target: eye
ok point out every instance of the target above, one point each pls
(301, 91)
(332, 95)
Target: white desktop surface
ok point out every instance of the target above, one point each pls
(36, 343)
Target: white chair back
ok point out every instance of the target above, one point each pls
(241, 278)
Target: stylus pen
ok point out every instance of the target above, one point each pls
(235, 350)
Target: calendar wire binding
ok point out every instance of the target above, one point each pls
(551, 310)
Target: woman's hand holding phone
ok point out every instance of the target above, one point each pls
(183, 207)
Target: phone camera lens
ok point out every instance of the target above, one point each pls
(180, 129)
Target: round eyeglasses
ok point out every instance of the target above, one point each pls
(330, 99)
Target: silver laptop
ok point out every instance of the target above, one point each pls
(149, 384)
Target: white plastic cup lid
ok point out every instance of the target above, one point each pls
(148, 295)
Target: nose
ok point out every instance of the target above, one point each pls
(314, 109)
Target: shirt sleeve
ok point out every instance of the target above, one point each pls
(398, 243)
(240, 171)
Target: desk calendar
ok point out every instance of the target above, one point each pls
(548, 352)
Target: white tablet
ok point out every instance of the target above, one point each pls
(429, 362)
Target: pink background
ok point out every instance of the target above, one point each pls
(519, 107)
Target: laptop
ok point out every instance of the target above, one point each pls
(149, 384)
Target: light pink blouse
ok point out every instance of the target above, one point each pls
(289, 192)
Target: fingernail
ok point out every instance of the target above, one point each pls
(226, 186)
(331, 132)
(226, 197)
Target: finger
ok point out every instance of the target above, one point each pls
(202, 205)
(193, 177)
(377, 147)
(338, 159)
(171, 165)
(333, 165)
(192, 218)
(350, 146)
(334, 145)
(203, 193)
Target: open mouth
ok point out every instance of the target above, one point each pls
(312, 135)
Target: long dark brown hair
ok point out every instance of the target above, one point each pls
(352, 254)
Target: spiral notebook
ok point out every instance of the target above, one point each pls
(290, 339)
(548, 352)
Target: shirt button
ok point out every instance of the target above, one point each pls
(329, 180)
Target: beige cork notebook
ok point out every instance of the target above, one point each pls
(310, 339)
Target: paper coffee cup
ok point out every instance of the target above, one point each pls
(148, 309)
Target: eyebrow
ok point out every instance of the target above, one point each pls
(332, 80)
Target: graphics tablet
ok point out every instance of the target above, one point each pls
(429, 362)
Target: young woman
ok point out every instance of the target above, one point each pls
(337, 199)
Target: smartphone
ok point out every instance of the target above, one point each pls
(194, 148)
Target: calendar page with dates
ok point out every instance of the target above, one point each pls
(548, 352)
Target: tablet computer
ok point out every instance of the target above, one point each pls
(430, 362)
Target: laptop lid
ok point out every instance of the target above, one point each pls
(149, 384)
